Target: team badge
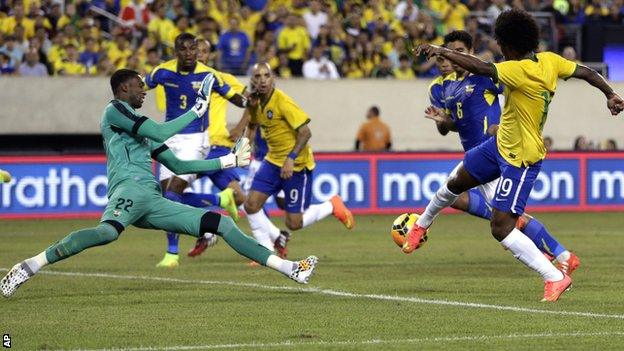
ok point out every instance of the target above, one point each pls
(269, 114)
(469, 89)
(117, 213)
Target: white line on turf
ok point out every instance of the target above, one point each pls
(285, 344)
(329, 292)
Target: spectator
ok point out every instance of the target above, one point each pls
(569, 53)
(160, 26)
(548, 143)
(136, 14)
(294, 41)
(384, 69)
(406, 11)
(597, 10)
(234, 49)
(182, 25)
(89, 57)
(119, 51)
(374, 134)
(319, 67)
(5, 65)
(105, 67)
(314, 18)
(497, 7)
(153, 57)
(249, 22)
(581, 144)
(12, 51)
(18, 19)
(283, 68)
(454, 16)
(610, 145)
(70, 65)
(404, 71)
(32, 67)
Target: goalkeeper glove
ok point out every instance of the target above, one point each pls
(200, 108)
(206, 86)
(240, 155)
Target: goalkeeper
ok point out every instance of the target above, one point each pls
(135, 195)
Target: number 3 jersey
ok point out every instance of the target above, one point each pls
(181, 90)
(473, 104)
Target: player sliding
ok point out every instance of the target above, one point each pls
(516, 154)
(288, 164)
(135, 195)
(469, 105)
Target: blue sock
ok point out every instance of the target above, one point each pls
(173, 239)
(200, 200)
(542, 238)
(477, 206)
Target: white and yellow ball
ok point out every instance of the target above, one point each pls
(401, 226)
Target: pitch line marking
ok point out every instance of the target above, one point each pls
(359, 342)
(330, 292)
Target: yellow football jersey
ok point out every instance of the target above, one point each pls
(530, 85)
(279, 120)
(217, 129)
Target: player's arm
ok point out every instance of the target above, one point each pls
(225, 90)
(239, 157)
(239, 128)
(442, 118)
(145, 127)
(614, 101)
(468, 62)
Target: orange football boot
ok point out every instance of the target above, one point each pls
(416, 237)
(342, 212)
(570, 265)
(553, 290)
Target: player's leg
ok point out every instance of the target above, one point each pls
(267, 181)
(193, 221)
(472, 201)
(510, 199)
(479, 167)
(126, 205)
(173, 188)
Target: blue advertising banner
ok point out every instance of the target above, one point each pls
(75, 186)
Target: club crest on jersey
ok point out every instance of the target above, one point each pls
(469, 89)
(196, 85)
(117, 213)
(269, 114)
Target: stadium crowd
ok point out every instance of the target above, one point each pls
(318, 39)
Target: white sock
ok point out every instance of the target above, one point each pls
(315, 213)
(525, 250)
(284, 266)
(442, 199)
(564, 256)
(37, 262)
(263, 229)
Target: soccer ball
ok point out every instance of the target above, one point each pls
(401, 226)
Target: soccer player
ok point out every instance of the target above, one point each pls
(180, 78)
(288, 164)
(473, 111)
(135, 196)
(5, 176)
(515, 155)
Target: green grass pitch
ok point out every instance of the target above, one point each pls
(366, 294)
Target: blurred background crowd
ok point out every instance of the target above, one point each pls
(317, 39)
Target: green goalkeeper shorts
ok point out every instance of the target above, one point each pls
(145, 207)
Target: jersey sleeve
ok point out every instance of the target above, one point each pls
(222, 88)
(154, 78)
(495, 88)
(565, 68)
(509, 73)
(435, 95)
(293, 114)
(122, 118)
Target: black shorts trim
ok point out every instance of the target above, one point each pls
(118, 226)
(162, 148)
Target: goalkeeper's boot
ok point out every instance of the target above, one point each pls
(17, 276)
(570, 265)
(304, 270)
(169, 261)
(416, 238)
(228, 203)
(206, 241)
(341, 212)
(281, 244)
(553, 290)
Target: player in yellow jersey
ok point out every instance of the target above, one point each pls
(289, 162)
(516, 154)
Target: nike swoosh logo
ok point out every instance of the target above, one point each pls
(498, 199)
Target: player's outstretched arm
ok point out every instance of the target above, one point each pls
(160, 132)
(468, 62)
(239, 157)
(614, 101)
(444, 123)
(303, 136)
